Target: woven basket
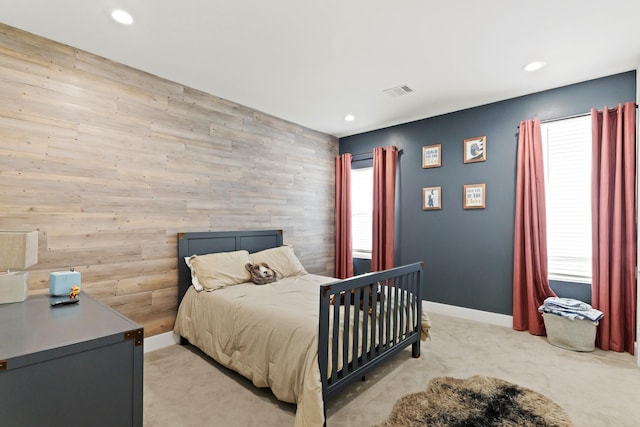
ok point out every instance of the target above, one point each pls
(576, 335)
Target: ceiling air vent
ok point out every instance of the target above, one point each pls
(398, 91)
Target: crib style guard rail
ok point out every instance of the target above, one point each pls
(384, 318)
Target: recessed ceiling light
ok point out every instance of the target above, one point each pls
(535, 65)
(122, 17)
(349, 117)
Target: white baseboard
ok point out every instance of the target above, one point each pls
(469, 314)
(159, 341)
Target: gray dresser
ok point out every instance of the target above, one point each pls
(72, 365)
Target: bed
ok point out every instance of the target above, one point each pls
(305, 336)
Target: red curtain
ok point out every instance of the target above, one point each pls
(344, 256)
(614, 229)
(530, 272)
(385, 161)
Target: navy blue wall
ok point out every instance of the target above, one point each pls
(468, 254)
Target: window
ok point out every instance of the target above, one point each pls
(362, 211)
(567, 160)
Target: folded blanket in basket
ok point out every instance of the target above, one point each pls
(570, 308)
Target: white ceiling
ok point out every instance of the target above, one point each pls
(313, 61)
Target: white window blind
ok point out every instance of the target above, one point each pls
(362, 211)
(567, 160)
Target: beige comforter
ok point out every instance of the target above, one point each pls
(266, 333)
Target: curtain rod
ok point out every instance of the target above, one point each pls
(574, 116)
(367, 155)
(555, 119)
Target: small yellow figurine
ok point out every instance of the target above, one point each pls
(75, 290)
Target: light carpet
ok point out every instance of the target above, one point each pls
(183, 388)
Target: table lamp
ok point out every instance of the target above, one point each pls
(18, 251)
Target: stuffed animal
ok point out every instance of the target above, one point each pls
(261, 274)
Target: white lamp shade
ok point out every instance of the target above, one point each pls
(14, 287)
(18, 249)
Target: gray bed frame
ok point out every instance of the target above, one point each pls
(405, 284)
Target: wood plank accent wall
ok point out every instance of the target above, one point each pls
(109, 163)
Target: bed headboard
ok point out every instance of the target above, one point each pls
(207, 242)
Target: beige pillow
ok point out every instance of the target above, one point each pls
(282, 260)
(194, 279)
(215, 271)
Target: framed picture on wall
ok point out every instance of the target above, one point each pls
(474, 196)
(431, 198)
(475, 149)
(431, 156)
